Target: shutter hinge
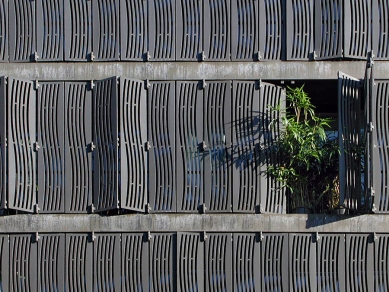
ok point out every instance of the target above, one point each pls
(373, 208)
(371, 192)
(203, 236)
(370, 127)
(258, 209)
(36, 146)
(260, 236)
(6, 204)
(36, 209)
(92, 146)
(147, 146)
(91, 84)
(147, 84)
(35, 56)
(91, 57)
(203, 84)
(202, 56)
(316, 237)
(202, 146)
(149, 236)
(147, 56)
(313, 56)
(92, 208)
(257, 56)
(202, 208)
(36, 84)
(370, 59)
(147, 208)
(37, 237)
(93, 236)
(373, 237)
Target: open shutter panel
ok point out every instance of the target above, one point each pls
(21, 135)
(189, 138)
(299, 29)
(328, 29)
(50, 32)
(272, 196)
(105, 136)
(4, 35)
(189, 41)
(244, 30)
(217, 141)
(78, 154)
(161, 124)
(357, 28)
(350, 141)
(51, 155)
(133, 144)
(245, 135)
(3, 142)
(133, 29)
(78, 30)
(380, 17)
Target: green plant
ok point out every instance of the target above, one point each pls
(308, 157)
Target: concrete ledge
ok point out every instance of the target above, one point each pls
(280, 70)
(195, 222)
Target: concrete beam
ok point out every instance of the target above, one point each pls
(287, 70)
(194, 222)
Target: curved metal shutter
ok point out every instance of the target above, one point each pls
(4, 35)
(105, 135)
(134, 29)
(78, 30)
(21, 135)
(133, 144)
(380, 16)
(300, 29)
(3, 136)
(328, 29)
(244, 30)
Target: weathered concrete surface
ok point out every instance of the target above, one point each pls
(194, 222)
(286, 70)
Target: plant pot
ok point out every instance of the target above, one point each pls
(302, 210)
(339, 210)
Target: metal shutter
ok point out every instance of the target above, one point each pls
(4, 35)
(3, 137)
(380, 36)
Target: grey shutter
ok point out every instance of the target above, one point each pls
(4, 262)
(21, 135)
(189, 154)
(244, 30)
(357, 28)
(51, 155)
(272, 196)
(381, 248)
(302, 262)
(106, 25)
(328, 29)
(78, 154)
(274, 262)
(23, 265)
(133, 29)
(245, 136)
(218, 262)
(3, 136)
(162, 273)
(50, 32)
(135, 262)
(378, 144)
(22, 30)
(105, 136)
(78, 30)
(350, 139)
(189, 32)
(331, 263)
(246, 262)
(133, 144)
(162, 25)
(300, 29)
(79, 262)
(161, 121)
(4, 35)
(106, 262)
(217, 138)
(360, 262)
(271, 29)
(51, 262)
(190, 262)
(380, 16)
(217, 26)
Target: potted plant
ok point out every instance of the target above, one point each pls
(308, 156)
